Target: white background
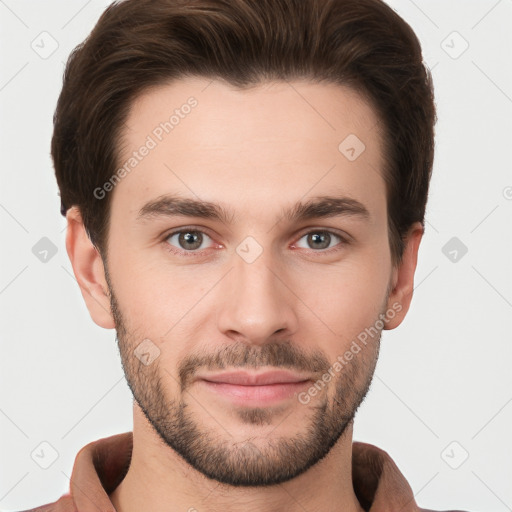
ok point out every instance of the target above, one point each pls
(444, 374)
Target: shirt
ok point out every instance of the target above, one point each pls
(100, 467)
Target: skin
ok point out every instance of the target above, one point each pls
(295, 306)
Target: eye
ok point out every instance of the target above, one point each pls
(186, 240)
(191, 241)
(321, 240)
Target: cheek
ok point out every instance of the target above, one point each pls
(158, 299)
(157, 296)
(344, 300)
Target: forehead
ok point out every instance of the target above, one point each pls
(279, 141)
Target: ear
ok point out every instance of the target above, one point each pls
(89, 270)
(402, 281)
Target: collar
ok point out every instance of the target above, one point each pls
(100, 467)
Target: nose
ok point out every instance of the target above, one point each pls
(256, 302)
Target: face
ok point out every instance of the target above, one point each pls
(250, 282)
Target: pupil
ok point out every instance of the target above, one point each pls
(319, 238)
(188, 238)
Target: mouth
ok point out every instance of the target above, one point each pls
(261, 389)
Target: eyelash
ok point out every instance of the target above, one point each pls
(173, 250)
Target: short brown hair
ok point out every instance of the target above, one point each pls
(136, 44)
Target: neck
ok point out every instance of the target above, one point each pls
(159, 478)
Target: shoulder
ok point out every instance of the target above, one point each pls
(63, 504)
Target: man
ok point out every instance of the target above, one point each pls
(245, 187)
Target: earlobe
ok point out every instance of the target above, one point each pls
(400, 296)
(89, 270)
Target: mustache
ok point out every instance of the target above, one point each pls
(276, 354)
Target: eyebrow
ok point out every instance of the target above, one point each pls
(315, 208)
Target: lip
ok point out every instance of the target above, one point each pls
(263, 389)
(241, 378)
